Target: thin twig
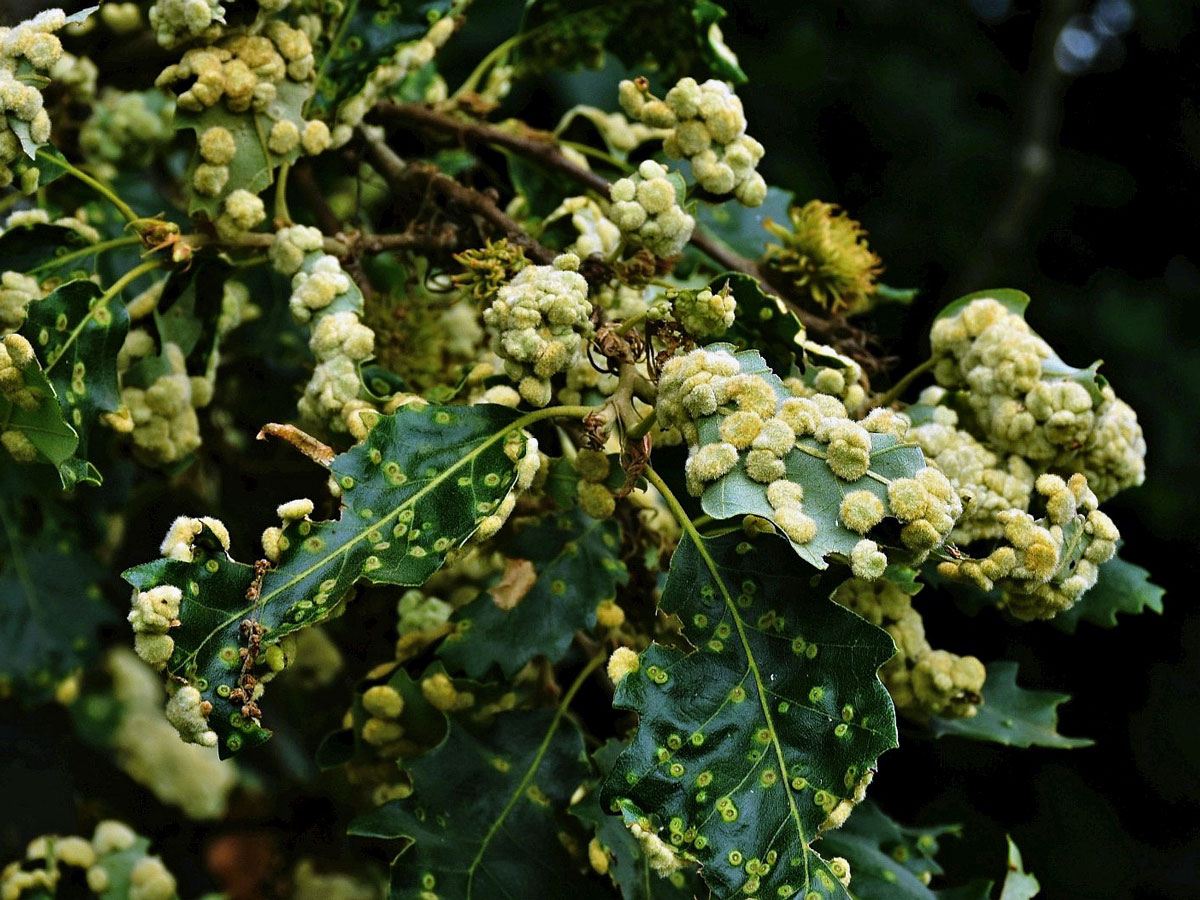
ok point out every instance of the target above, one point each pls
(407, 179)
(543, 148)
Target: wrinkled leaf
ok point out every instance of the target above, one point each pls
(368, 34)
(1121, 587)
(628, 867)
(1011, 715)
(253, 165)
(484, 817)
(562, 34)
(736, 494)
(577, 564)
(416, 487)
(747, 744)
(78, 337)
(887, 860)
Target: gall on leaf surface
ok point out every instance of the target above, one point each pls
(1012, 715)
(487, 809)
(578, 565)
(736, 494)
(628, 866)
(418, 486)
(747, 744)
(78, 337)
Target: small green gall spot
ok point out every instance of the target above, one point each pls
(799, 783)
(723, 631)
(701, 842)
(700, 620)
(441, 545)
(304, 528)
(763, 736)
(743, 548)
(735, 858)
(428, 881)
(631, 777)
(842, 730)
(366, 513)
(375, 456)
(491, 479)
(193, 589)
(811, 651)
(346, 482)
(234, 742)
(314, 544)
(211, 566)
(417, 552)
(768, 777)
(715, 646)
(847, 713)
(223, 690)
(657, 675)
(229, 655)
(704, 779)
(674, 741)
(394, 474)
(676, 770)
(500, 764)
(799, 645)
(60, 324)
(371, 563)
(783, 706)
(399, 530)
(815, 695)
(697, 738)
(558, 587)
(737, 694)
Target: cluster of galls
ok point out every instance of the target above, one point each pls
(704, 314)
(125, 129)
(53, 861)
(594, 496)
(645, 207)
(1045, 565)
(1025, 404)
(539, 323)
(339, 340)
(923, 682)
(16, 357)
(707, 127)
(31, 43)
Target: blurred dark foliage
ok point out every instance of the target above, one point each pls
(1048, 147)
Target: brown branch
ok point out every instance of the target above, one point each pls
(409, 180)
(302, 176)
(542, 147)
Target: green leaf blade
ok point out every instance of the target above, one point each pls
(1012, 715)
(778, 715)
(577, 563)
(1121, 587)
(416, 487)
(484, 816)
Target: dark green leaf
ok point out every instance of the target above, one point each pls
(736, 494)
(416, 487)
(50, 602)
(78, 336)
(1011, 715)
(891, 862)
(1121, 587)
(484, 818)
(763, 322)
(677, 38)
(746, 745)
(368, 34)
(577, 563)
(36, 249)
(628, 866)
